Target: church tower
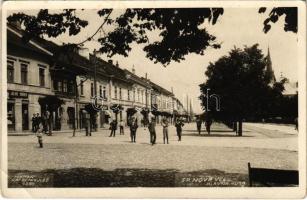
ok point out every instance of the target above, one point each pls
(269, 70)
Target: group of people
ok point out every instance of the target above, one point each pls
(41, 123)
(151, 125)
(208, 123)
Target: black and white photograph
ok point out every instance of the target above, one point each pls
(178, 96)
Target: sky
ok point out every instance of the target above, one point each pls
(237, 27)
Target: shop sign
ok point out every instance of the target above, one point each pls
(17, 94)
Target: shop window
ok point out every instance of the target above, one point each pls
(10, 116)
(42, 77)
(24, 74)
(10, 72)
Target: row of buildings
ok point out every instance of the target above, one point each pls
(44, 76)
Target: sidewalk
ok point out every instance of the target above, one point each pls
(285, 128)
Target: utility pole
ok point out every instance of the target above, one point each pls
(95, 87)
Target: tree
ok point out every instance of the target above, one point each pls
(180, 30)
(240, 81)
(290, 18)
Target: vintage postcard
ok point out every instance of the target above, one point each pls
(153, 99)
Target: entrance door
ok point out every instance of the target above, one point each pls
(10, 116)
(25, 117)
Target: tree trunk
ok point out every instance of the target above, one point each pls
(234, 126)
(240, 128)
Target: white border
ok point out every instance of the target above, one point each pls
(286, 192)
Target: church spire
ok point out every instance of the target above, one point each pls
(269, 70)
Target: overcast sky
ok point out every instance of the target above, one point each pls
(236, 27)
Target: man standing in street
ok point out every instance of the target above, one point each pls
(133, 128)
(152, 130)
(164, 124)
(198, 124)
(113, 126)
(121, 127)
(179, 124)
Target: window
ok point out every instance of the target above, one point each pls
(41, 76)
(138, 95)
(71, 87)
(81, 88)
(55, 85)
(120, 93)
(65, 86)
(115, 92)
(92, 89)
(128, 95)
(133, 94)
(60, 86)
(104, 92)
(142, 96)
(100, 91)
(24, 74)
(10, 72)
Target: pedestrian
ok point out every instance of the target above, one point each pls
(87, 123)
(113, 126)
(133, 128)
(164, 124)
(33, 123)
(121, 127)
(152, 130)
(198, 124)
(208, 124)
(48, 122)
(179, 124)
(39, 134)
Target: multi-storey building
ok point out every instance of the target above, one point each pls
(39, 74)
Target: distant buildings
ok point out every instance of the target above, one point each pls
(43, 76)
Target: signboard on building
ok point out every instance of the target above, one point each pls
(17, 94)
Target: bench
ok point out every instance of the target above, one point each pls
(272, 177)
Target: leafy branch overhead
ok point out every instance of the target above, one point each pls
(290, 18)
(181, 31)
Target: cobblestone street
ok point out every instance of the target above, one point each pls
(221, 150)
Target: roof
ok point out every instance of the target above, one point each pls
(160, 89)
(137, 79)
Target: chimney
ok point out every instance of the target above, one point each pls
(133, 70)
(117, 64)
(110, 62)
(146, 76)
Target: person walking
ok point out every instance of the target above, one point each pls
(113, 126)
(152, 130)
(179, 124)
(133, 128)
(208, 124)
(121, 127)
(198, 124)
(164, 124)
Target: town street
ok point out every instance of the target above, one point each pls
(222, 151)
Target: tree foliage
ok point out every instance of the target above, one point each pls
(240, 80)
(274, 15)
(181, 30)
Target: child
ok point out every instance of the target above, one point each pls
(39, 135)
